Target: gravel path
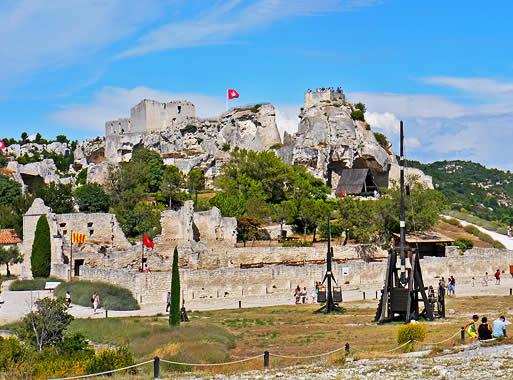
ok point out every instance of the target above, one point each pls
(504, 239)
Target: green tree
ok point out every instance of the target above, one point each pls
(360, 106)
(81, 178)
(24, 136)
(172, 184)
(312, 213)
(247, 228)
(359, 219)
(62, 139)
(9, 190)
(174, 310)
(140, 219)
(230, 204)
(196, 181)
(357, 115)
(91, 198)
(40, 259)
(153, 167)
(10, 256)
(46, 325)
(58, 197)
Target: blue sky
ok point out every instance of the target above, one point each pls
(446, 68)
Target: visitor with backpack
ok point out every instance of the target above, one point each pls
(484, 330)
(498, 277)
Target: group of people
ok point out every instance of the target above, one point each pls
(449, 285)
(485, 331)
(497, 276)
(338, 90)
(95, 300)
(301, 295)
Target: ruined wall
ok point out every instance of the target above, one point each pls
(237, 283)
(214, 228)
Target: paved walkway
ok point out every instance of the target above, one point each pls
(17, 304)
(504, 239)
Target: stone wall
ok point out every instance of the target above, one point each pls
(235, 282)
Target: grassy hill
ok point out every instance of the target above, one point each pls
(472, 188)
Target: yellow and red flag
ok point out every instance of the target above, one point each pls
(78, 238)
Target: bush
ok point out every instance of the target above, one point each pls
(382, 140)
(452, 221)
(411, 332)
(226, 147)
(50, 364)
(82, 177)
(463, 244)
(110, 359)
(34, 284)
(358, 115)
(11, 352)
(112, 297)
(498, 244)
(41, 250)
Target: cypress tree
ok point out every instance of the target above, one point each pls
(40, 259)
(174, 310)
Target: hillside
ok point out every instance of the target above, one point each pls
(473, 188)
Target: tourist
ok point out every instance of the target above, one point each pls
(484, 330)
(510, 232)
(473, 281)
(304, 296)
(499, 327)
(441, 283)
(485, 279)
(67, 298)
(313, 294)
(96, 302)
(92, 299)
(297, 294)
(471, 328)
(497, 277)
(168, 301)
(452, 285)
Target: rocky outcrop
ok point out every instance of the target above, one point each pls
(190, 142)
(90, 151)
(329, 140)
(36, 173)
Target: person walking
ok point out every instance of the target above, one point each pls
(93, 296)
(485, 279)
(96, 302)
(497, 277)
(313, 294)
(297, 294)
(452, 284)
(168, 301)
(304, 296)
(510, 232)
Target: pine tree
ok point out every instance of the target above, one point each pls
(174, 310)
(40, 259)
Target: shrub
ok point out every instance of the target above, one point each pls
(41, 250)
(452, 221)
(82, 177)
(76, 346)
(226, 147)
(112, 297)
(358, 115)
(189, 128)
(498, 244)
(382, 140)
(472, 230)
(110, 359)
(11, 352)
(411, 332)
(463, 244)
(49, 364)
(91, 198)
(360, 106)
(34, 284)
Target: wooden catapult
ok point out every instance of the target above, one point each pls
(404, 291)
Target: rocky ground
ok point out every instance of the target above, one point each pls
(494, 362)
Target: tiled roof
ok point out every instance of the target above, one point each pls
(8, 237)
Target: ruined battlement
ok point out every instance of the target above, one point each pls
(317, 97)
(151, 116)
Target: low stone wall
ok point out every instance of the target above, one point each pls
(235, 282)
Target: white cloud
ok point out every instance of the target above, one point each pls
(114, 102)
(480, 86)
(38, 34)
(234, 17)
(287, 118)
(386, 122)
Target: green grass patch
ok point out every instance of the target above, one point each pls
(489, 225)
(112, 297)
(34, 284)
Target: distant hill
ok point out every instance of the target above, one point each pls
(486, 193)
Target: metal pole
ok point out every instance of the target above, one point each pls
(156, 368)
(142, 253)
(71, 256)
(402, 222)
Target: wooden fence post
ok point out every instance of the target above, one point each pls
(266, 359)
(156, 368)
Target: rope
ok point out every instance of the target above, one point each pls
(308, 356)
(103, 373)
(212, 364)
(398, 347)
(442, 341)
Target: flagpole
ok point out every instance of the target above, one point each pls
(226, 100)
(142, 253)
(71, 256)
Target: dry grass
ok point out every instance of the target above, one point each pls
(218, 336)
(455, 232)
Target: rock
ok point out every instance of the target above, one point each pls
(329, 140)
(58, 148)
(89, 151)
(99, 173)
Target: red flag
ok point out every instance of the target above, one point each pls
(147, 242)
(2, 145)
(232, 94)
